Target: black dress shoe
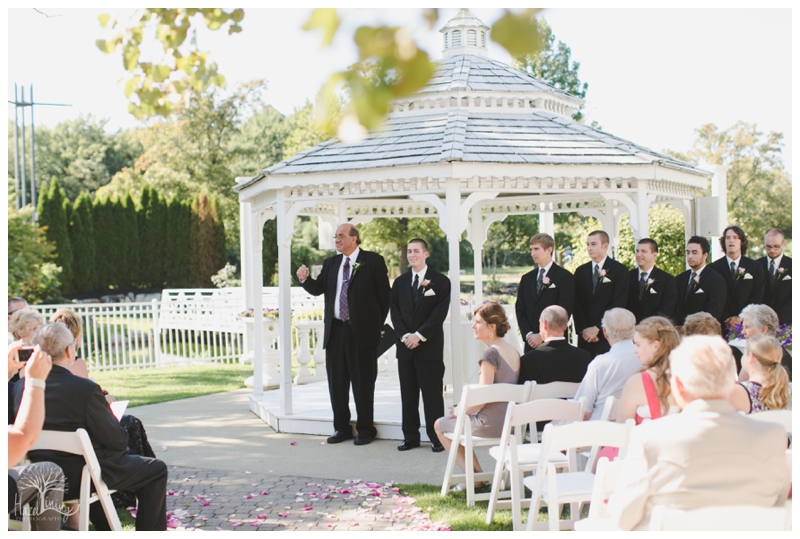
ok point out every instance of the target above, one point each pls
(340, 436)
(363, 439)
(408, 444)
(437, 448)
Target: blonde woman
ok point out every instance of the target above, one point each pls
(768, 386)
(24, 323)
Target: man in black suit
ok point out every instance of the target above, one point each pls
(419, 303)
(778, 270)
(743, 276)
(356, 288)
(699, 289)
(652, 291)
(600, 285)
(73, 403)
(555, 360)
(548, 284)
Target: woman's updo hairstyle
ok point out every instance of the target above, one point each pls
(494, 313)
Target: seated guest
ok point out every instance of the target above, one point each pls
(499, 365)
(14, 304)
(760, 319)
(705, 324)
(708, 455)
(768, 386)
(73, 403)
(608, 373)
(22, 325)
(647, 395)
(555, 360)
(41, 484)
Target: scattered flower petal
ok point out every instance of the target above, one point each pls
(293, 443)
(262, 517)
(283, 515)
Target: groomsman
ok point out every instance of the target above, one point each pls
(548, 284)
(600, 285)
(743, 276)
(778, 269)
(700, 289)
(420, 300)
(652, 292)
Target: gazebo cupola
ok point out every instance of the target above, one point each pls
(465, 34)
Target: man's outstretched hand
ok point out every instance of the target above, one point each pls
(302, 273)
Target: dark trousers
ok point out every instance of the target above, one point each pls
(594, 348)
(149, 485)
(346, 364)
(427, 377)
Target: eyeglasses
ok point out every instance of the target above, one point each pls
(342, 236)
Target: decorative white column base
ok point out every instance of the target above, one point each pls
(270, 375)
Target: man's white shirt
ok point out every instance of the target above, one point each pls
(607, 375)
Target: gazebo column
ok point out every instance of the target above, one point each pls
(719, 189)
(643, 200)
(547, 223)
(476, 238)
(252, 227)
(453, 231)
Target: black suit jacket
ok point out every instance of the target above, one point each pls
(708, 296)
(555, 361)
(530, 305)
(741, 291)
(778, 295)
(73, 403)
(658, 299)
(426, 317)
(611, 293)
(367, 295)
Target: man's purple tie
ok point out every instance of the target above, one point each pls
(344, 312)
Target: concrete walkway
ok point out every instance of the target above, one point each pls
(230, 470)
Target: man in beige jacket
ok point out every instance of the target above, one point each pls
(708, 455)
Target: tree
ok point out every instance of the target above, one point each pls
(389, 237)
(260, 141)
(128, 248)
(177, 240)
(208, 247)
(759, 189)
(53, 217)
(667, 229)
(104, 241)
(81, 235)
(552, 65)
(153, 253)
(31, 271)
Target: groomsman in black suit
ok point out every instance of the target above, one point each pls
(743, 276)
(356, 288)
(652, 291)
(420, 300)
(600, 285)
(778, 269)
(548, 284)
(700, 289)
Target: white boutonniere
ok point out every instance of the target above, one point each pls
(741, 273)
(424, 287)
(356, 267)
(546, 283)
(782, 275)
(647, 286)
(603, 278)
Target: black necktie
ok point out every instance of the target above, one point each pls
(415, 289)
(772, 270)
(691, 281)
(595, 277)
(642, 283)
(733, 269)
(539, 280)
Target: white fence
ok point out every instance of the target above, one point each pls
(185, 326)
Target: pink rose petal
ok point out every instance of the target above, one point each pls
(263, 493)
(283, 515)
(262, 517)
(255, 523)
(293, 443)
(307, 508)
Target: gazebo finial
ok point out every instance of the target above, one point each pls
(465, 34)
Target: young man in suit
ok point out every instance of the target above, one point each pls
(420, 300)
(73, 403)
(555, 360)
(356, 288)
(600, 285)
(707, 455)
(548, 284)
(699, 289)
(778, 270)
(652, 291)
(743, 276)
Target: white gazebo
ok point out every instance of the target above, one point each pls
(480, 142)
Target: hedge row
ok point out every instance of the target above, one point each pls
(121, 243)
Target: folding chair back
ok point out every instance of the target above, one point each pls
(79, 443)
(728, 518)
(585, 433)
(610, 409)
(555, 390)
(604, 482)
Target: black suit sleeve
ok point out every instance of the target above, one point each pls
(522, 319)
(759, 282)
(580, 301)
(316, 287)
(716, 302)
(437, 316)
(400, 327)
(566, 298)
(381, 280)
(620, 299)
(670, 301)
(102, 426)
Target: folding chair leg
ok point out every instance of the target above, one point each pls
(495, 495)
(83, 508)
(468, 455)
(451, 462)
(516, 500)
(574, 512)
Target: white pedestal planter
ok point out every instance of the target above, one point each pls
(269, 354)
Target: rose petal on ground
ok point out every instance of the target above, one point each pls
(164, 448)
(352, 523)
(263, 493)
(255, 523)
(261, 516)
(205, 504)
(235, 524)
(283, 515)
(307, 508)
(293, 443)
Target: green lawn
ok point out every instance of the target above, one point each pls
(154, 385)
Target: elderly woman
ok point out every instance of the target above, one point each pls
(760, 319)
(24, 323)
(499, 365)
(768, 386)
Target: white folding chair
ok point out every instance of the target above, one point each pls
(609, 414)
(726, 518)
(574, 486)
(518, 458)
(555, 390)
(78, 443)
(605, 480)
(474, 395)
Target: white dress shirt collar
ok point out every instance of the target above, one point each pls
(737, 261)
(777, 261)
(601, 263)
(352, 256)
(649, 272)
(421, 274)
(546, 268)
(549, 339)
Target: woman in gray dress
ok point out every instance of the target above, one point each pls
(499, 365)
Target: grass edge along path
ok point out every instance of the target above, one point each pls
(164, 384)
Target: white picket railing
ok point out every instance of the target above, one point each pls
(185, 326)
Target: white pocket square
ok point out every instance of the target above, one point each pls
(747, 277)
(699, 291)
(551, 285)
(429, 293)
(787, 278)
(606, 280)
(653, 291)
